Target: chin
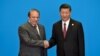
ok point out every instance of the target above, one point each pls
(65, 19)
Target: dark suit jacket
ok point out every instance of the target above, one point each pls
(31, 44)
(73, 44)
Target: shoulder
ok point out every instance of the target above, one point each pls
(24, 26)
(76, 22)
(57, 23)
(40, 25)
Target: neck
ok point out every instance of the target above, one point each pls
(65, 20)
(32, 23)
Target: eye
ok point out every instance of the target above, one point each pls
(35, 17)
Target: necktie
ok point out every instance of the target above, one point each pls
(64, 30)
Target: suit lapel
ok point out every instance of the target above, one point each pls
(69, 29)
(34, 30)
(31, 27)
(60, 30)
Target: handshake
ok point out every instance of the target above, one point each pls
(46, 44)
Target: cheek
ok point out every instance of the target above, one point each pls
(62, 14)
(67, 14)
(36, 19)
(32, 19)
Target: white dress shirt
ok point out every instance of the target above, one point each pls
(67, 24)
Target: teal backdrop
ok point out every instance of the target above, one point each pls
(13, 13)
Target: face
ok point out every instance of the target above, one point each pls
(34, 16)
(65, 14)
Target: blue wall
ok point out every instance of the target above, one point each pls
(14, 13)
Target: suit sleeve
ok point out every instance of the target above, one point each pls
(52, 41)
(81, 41)
(44, 35)
(24, 37)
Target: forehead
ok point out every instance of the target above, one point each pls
(65, 9)
(34, 12)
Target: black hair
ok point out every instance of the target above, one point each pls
(65, 6)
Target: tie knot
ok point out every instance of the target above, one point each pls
(64, 23)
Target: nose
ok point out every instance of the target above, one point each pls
(36, 18)
(64, 14)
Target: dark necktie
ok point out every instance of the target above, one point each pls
(64, 30)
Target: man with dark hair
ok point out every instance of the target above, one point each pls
(32, 36)
(65, 6)
(33, 10)
(67, 34)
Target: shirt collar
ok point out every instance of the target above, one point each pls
(67, 22)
